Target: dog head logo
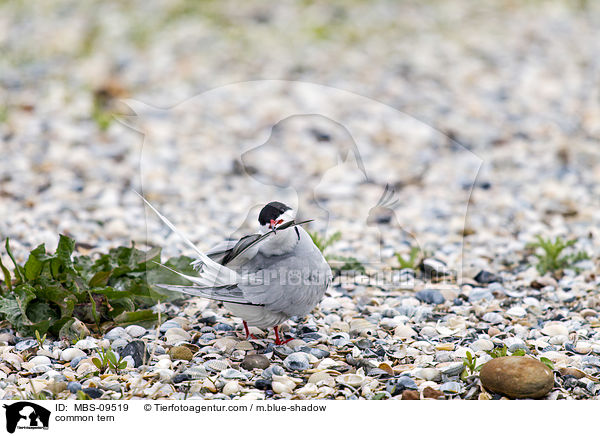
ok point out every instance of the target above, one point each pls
(26, 415)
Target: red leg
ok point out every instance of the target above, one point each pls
(278, 341)
(248, 335)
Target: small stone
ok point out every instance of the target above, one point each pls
(262, 384)
(410, 395)
(400, 384)
(135, 331)
(137, 351)
(480, 294)
(56, 387)
(231, 387)
(493, 331)
(435, 268)
(167, 325)
(430, 392)
(486, 277)
(555, 329)
(430, 374)
(73, 387)
(517, 312)
(175, 334)
(517, 377)
(181, 353)
(40, 360)
(69, 354)
(93, 392)
(482, 345)
(116, 333)
(252, 361)
(297, 362)
(430, 296)
(493, 318)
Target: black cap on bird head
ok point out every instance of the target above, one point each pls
(272, 212)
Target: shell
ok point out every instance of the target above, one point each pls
(354, 380)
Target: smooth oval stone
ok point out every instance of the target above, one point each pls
(430, 296)
(74, 386)
(181, 353)
(255, 361)
(517, 377)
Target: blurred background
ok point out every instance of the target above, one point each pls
(490, 108)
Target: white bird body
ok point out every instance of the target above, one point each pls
(262, 278)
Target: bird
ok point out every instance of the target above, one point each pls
(263, 278)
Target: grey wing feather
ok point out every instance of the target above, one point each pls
(229, 294)
(292, 284)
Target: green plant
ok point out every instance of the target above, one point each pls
(550, 258)
(322, 242)
(51, 291)
(547, 362)
(471, 367)
(40, 339)
(82, 396)
(412, 261)
(108, 360)
(501, 352)
(340, 263)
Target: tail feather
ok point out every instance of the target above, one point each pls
(213, 273)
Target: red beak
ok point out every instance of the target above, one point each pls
(275, 223)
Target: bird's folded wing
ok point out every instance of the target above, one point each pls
(229, 294)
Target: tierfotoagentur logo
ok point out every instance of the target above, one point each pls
(24, 415)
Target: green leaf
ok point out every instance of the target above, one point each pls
(97, 362)
(100, 279)
(7, 277)
(33, 266)
(547, 362)
(64, 250)
(519, 352)
(379, 396)
(18, 274)
(122, 365)
(139, 316)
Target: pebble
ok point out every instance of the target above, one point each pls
(486, 277)
(181, 353)
(431, 374)
(480, 294)
(93, 392)
(517, 311)
(482, 345)
(555, 329)
(231, 388)
(430, 296)
(135, 331)
(74, 386)
(116, 333)
(429, 392)
(137, 351)
(517, 377)
(40, 360)
(69, 354)
(253, 361)
(410, 395)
